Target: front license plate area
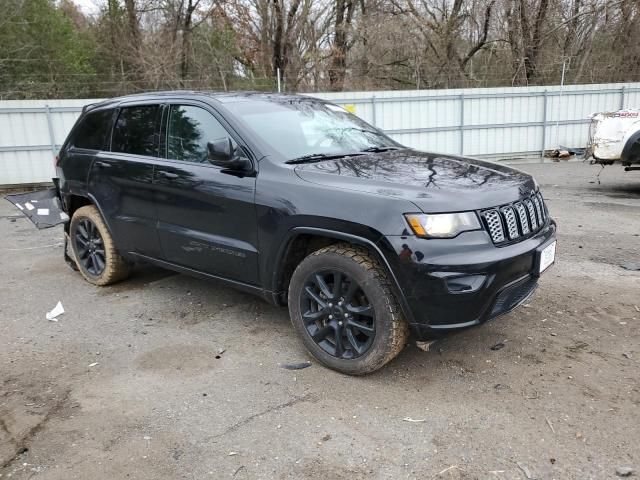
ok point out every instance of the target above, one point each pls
(547, 257)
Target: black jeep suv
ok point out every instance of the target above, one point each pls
(304, 204)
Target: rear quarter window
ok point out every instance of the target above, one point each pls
(93, 131)
(136, 130)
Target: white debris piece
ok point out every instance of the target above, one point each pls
(42, 211)
(56, 312)
(29, 206)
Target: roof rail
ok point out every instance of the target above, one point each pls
(86, 107)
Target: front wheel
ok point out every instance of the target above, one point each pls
(342, 306)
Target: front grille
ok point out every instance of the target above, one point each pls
(515, 221)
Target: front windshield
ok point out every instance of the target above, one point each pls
(300, 127)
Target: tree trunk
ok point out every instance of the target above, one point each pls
(277, 59)
(533, 39)
(282, 34)
(132, 18)
(186, 42)
(338, 65)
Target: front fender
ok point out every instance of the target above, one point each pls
(375, 244)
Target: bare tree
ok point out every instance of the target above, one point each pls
(452, 32)
(344, 10)
(532, 35)
(316, 45)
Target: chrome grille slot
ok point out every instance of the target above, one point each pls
(508, 223)
(532, 215)
(494, 225)
(522, 215)
(536, 203)
(542, 209)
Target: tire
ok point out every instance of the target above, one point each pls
(372, 327)
(107, 266)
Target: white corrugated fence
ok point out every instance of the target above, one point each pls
(498, 123)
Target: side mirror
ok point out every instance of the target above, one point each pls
(223, 154)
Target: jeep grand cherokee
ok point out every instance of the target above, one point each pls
(299, 201)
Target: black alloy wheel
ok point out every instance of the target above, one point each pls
(337, 314)
(342, 305)
(90, 247)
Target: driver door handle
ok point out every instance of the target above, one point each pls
(166, 174)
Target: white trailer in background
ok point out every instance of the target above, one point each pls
(615, 138)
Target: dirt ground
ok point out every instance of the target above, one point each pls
(168, 377)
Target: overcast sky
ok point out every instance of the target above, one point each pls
(88, 7)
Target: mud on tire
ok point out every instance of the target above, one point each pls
(357, 264)
(113, 266)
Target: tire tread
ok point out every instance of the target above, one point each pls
(116, 267)
(399, 327)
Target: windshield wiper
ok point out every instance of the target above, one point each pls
(318, 157)
(379, 149)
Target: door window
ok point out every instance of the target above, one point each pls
(189, 130)
(135, 130)
(93, 131)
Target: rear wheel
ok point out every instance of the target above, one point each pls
(93, 249)
(342, 306)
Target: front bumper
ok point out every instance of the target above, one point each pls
(457, 283)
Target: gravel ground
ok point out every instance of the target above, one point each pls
(166, 377)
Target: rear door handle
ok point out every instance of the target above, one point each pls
(167, 174)
(103, 164)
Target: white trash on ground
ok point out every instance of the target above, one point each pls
(56, 312)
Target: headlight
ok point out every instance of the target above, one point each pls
(442, 225)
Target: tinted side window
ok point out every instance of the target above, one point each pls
(93, 131)
(189, 131)
(135, 130)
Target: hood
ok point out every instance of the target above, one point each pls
(433, 182)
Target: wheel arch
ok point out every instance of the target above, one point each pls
(301, 241)
(631, 150)
(73, 202)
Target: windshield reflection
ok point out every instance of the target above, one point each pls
(297, 127)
